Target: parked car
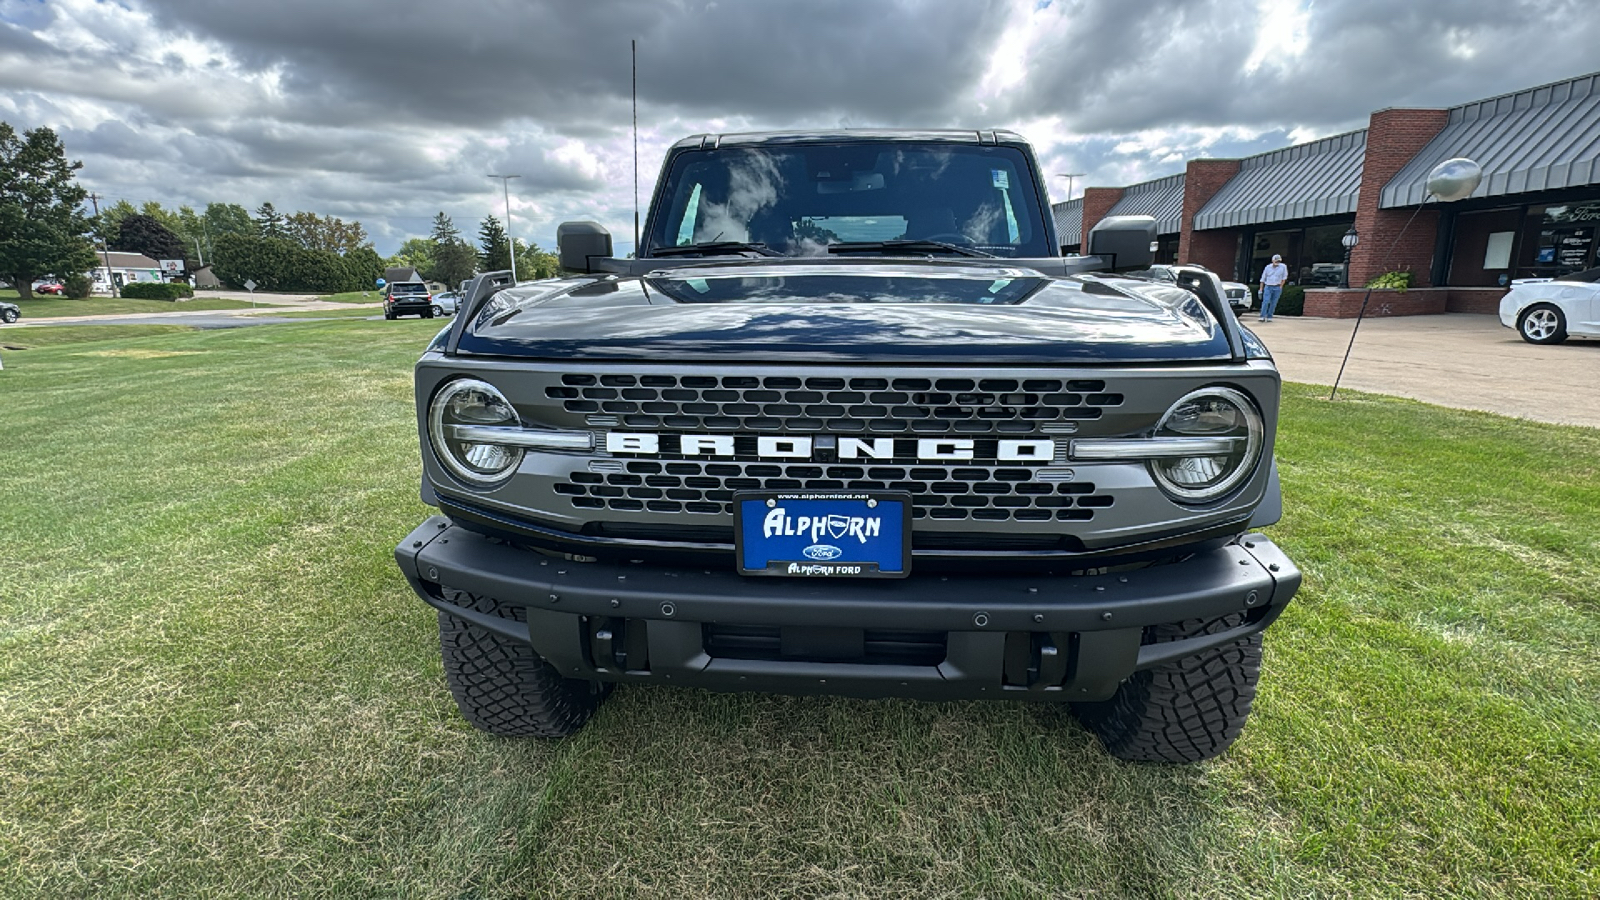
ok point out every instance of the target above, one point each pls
(445, 304)
(744, 465)
(49, 287)
(9, 312)
(407, 298)
(1548, 311)
(1239, 296)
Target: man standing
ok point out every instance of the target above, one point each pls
(1272, 280)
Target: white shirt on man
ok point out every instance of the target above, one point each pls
(1275, 273)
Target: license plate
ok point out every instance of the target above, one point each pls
(804, 535)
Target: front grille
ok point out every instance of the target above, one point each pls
(964, 492)
(848, 406)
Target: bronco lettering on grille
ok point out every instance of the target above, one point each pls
(804, 448)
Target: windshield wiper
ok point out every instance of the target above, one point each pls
(911, 245)
(715, 247)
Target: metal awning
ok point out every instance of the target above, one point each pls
(1321, 178)
(1540, 139)
(1162, 198)
(1069, 222)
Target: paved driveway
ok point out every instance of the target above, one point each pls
(1467, 361)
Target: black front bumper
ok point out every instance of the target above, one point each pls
(927, 636)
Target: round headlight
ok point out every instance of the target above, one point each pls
(469, 402)
(1231, 421)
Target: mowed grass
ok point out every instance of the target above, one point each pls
(355, 297)
(326, 313)
(56, 335)
(51, 307)
(213, 681)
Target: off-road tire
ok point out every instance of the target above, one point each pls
(504, 687)
(1546, 322)
(1184, 711)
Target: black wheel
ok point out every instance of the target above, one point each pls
(9, 315)
(388, 315)
(437, 312)
(1186, 710)
(1542, 323)
(504, 687)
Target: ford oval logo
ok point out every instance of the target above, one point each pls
(822, 551)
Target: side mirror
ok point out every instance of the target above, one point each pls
(577, 243)
(1125, 242)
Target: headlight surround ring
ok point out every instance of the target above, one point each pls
(472, 401)
(1205, 413)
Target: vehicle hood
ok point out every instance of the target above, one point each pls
(906, 312)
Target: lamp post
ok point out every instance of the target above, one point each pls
(1069, 176)
(1350, 240)
(511, 245)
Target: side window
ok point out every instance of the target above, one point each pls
(691, 212)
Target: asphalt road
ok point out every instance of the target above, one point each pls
(1460, 360)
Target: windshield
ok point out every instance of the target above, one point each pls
(800, 199)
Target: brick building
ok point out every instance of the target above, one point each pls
(1535, 215)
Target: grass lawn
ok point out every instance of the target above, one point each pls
(355, 297)
(326, 313)
(214, 682)
(41, 307)
(56, 335)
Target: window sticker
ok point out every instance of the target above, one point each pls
(1002, 178)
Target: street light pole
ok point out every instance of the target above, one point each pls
(511, 245)
(1069, 176)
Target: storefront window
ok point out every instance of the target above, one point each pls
(1557, 239)
(1314, 255)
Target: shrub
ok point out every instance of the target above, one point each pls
(1293, 301)
(157, 290)
(77, 287)
(1398, 281)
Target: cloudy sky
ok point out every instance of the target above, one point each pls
(388, 111)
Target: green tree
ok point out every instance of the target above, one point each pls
(43, 230)
(270, 223)
(330, 233)
(227, 218)
(453, 263)
(535, 263)
(109, 225)
(365, 266)
(141, 233)
(444, 230)
(414, 252)
(494, 250)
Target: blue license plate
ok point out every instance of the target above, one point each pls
(804, 535)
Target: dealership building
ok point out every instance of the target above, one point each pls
(1535, 214)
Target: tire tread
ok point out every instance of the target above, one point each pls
(1184, 711)
(504, 686)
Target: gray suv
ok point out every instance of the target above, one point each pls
(848, 426)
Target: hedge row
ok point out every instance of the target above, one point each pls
(156, 290)
(278, 265)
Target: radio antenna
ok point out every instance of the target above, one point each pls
(633, 46)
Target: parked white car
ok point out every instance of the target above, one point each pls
(445, 304)
(1547, 311)
(1238, 295)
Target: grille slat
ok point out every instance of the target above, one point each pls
(983, 493)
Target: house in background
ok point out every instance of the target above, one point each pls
(118, 268)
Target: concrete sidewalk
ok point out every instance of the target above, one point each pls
(201, 317)
(1466, 361)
